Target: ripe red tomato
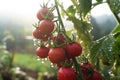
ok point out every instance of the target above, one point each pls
(46, 26)
(44, 37)
(56, 55)
(42, 52)
(96, 76)
(88, 65)
(60, 39)
(36, 33)
(66, 73)
(87, 70)
(44, 13)
(73, 49)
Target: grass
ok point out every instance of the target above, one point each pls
(30, 62)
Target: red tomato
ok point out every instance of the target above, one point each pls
(88, 65)
(87, 70)
(66, 73)
(44, 13)
(56, 55)
(96, 76)
(42, 52)
(73, 49)
(60, 39)
(44, 37)
(46, 26)
(36, 33)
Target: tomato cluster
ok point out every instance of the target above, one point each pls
(53, 43)
(45, 25)
(89, 73)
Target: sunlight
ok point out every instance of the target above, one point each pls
(20, 7)
(101, 10)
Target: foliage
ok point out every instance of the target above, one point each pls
(104, 52)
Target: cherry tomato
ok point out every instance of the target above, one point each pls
(87, 70)
(96, 76)
(46, 26)
(60, 39)
(88, 65)
(42, 52)
(56, 55)
(44, 13)
(66, 73)
(73, 49)
(36, 33)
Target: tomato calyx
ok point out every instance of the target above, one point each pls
(66, 63)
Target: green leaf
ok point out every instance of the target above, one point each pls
(85, 6)
(114, 5)
(71, 11)
(102, 49)
(99, 0)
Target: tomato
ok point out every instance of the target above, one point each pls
(42, 52)
(56, 55)
(44, 37)
(87, 70)
(96, 76)
(73, 49)
(66, 73)
(88, 65)
(60, 39)
(36, 33)
(44, 13)
(46, 26)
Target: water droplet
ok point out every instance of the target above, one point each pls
(38, 58)
(51, 65)
(42, 62)
(46, 59)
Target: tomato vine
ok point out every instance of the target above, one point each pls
(68, 52)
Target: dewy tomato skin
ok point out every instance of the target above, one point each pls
(44, 13)
(46, 26)
(36, 33)
(42, 52)
(56, 55)
(73, 49)
(41, 13)
(66, 73)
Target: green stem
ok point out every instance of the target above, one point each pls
(61, 22)
(78, 69)
(59, 17)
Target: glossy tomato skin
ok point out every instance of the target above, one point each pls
(46, 26)
(73, 49)
(95, 76)
(42, 52)
(66, 73)
(56, 55)
(44, 13)
(36, 33)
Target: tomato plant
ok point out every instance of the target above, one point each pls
(102, 53)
